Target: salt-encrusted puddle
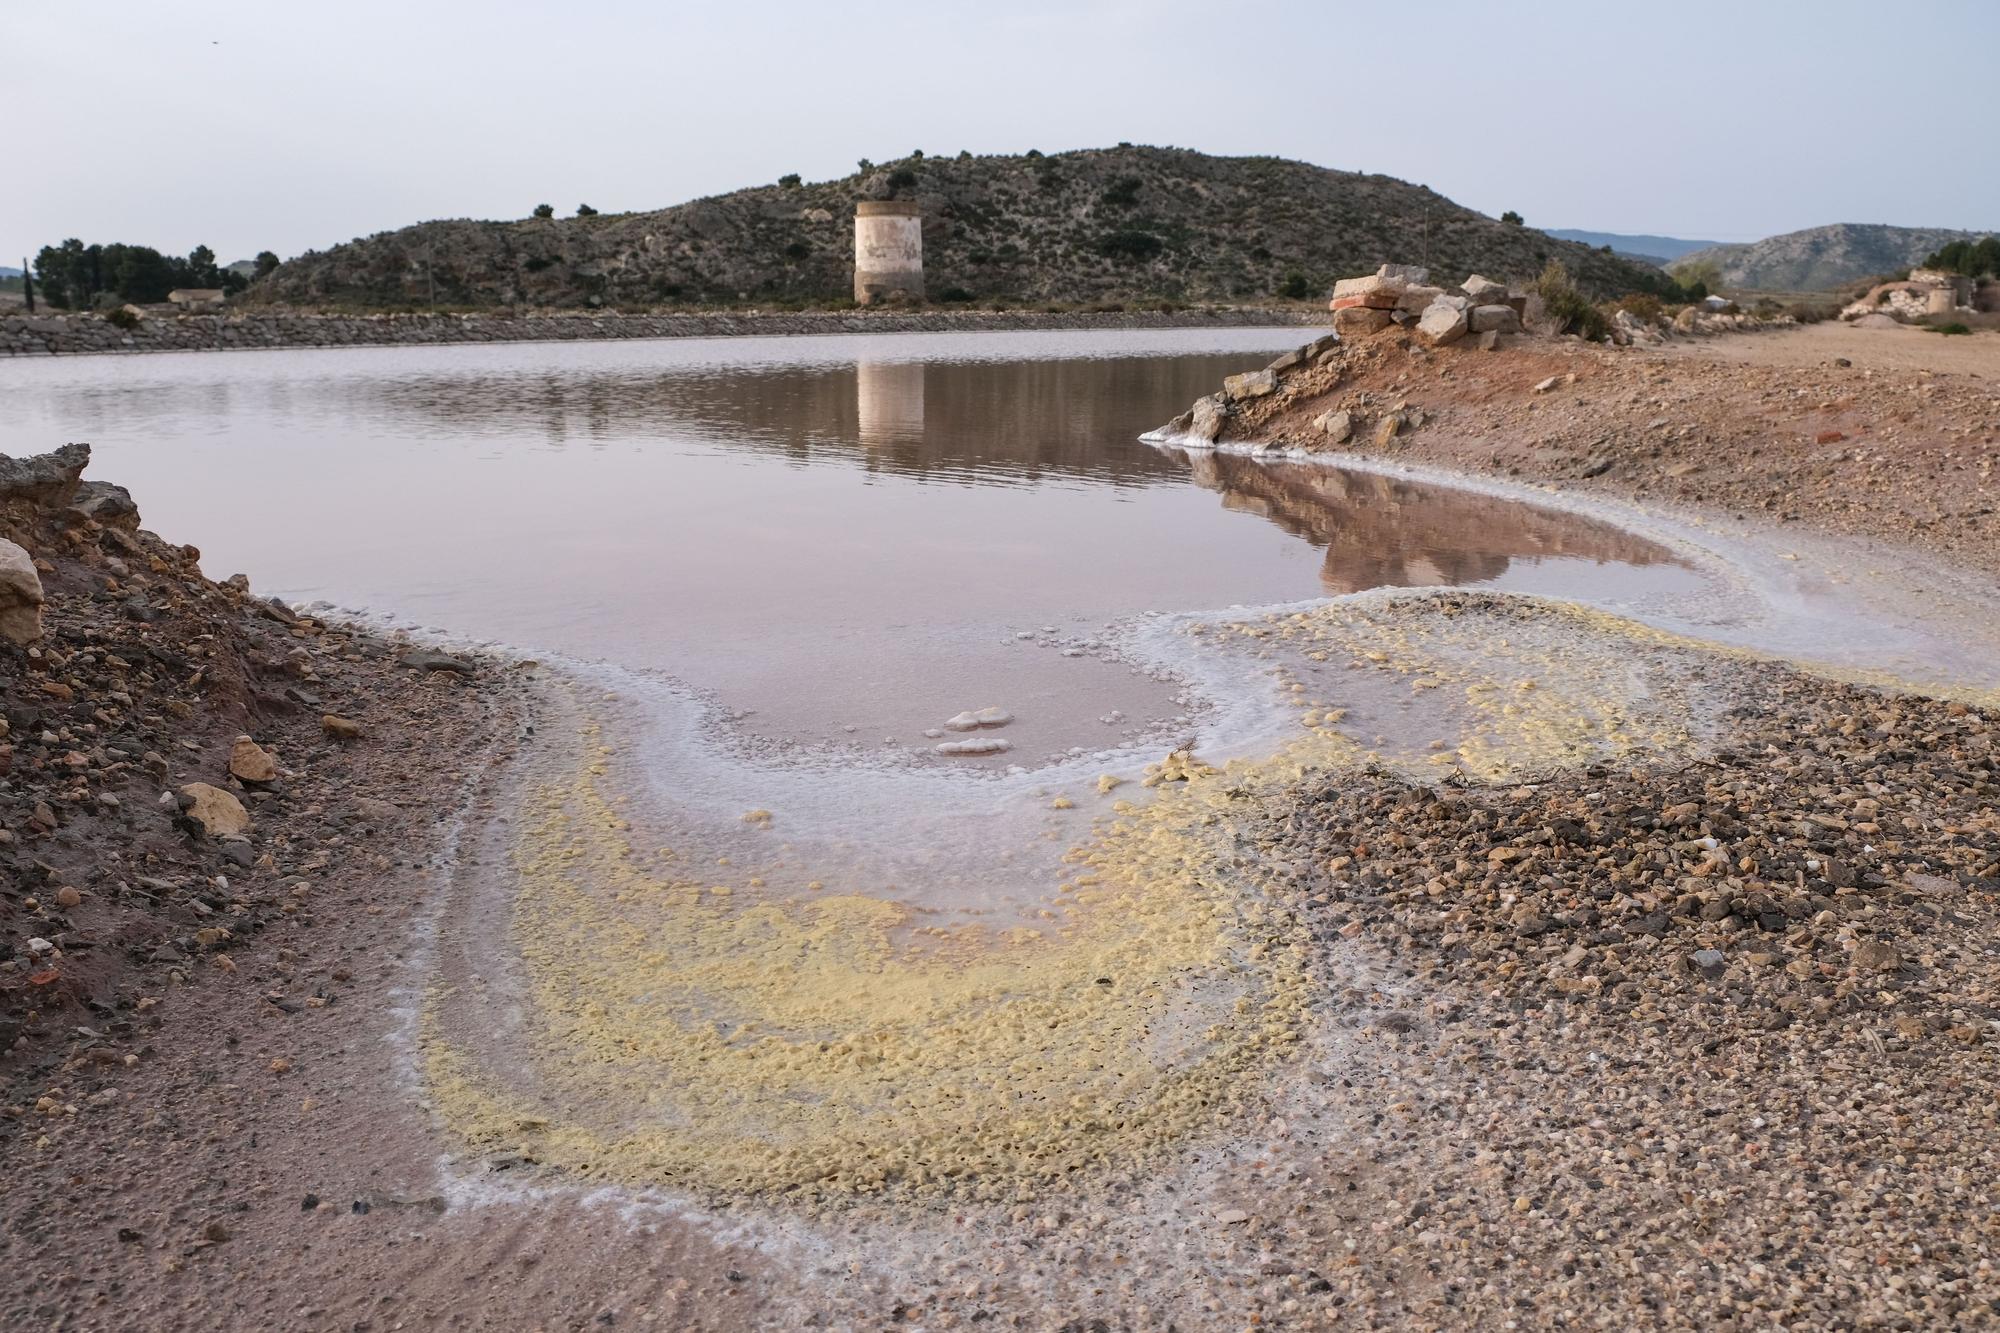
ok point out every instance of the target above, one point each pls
(731, 927)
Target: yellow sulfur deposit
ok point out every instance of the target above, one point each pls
(668, 1037)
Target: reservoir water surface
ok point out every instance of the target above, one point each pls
(843, 540)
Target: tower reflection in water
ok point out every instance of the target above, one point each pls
(889, 402)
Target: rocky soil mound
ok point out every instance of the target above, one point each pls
(1910, 455)
(183, 766)
(1116, 224)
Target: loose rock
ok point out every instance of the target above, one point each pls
(217, 811)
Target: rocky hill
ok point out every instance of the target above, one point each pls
(1116, 224)
(1820, 259)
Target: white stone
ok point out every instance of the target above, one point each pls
(994, 746)
(20, 596)
(1206, 418)
(1336, 426)
(1442, 324)
(973, 719)
(216, 810)
(1372, 285)
(1251, 384)
(1416, 300)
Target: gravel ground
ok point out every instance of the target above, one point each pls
(1700, 1042)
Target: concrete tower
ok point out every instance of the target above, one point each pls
(888, 251)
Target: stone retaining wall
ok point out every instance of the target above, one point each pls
(80, 333)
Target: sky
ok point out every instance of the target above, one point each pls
(247, 125)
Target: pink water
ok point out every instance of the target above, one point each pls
(844, 537)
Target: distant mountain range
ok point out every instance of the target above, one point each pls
(1821, 259)
(1645, 249)
(9, 272)
(1130, 223)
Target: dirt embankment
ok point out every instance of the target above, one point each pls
(185, 769)
(1891, 434)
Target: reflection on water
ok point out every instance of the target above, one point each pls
(889, 403)
(1384, 532)
(847, 535)
(986, 421)
(984, 407)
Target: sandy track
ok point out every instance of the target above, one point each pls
(1903, 348)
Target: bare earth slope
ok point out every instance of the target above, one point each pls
(1098, 224)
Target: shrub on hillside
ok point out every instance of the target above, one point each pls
(1567, 306)
(1129, 245)
(1121, 193)
(545, 210)
(1685, 289)
(1643, 305)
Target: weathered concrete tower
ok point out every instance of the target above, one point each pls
(888, 251)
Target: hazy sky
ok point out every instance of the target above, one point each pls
(253, 125)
